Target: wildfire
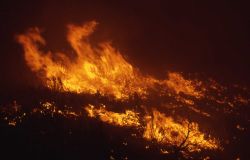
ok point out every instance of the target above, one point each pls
(102, 69)
(183, 134)
(105, 71)
(159, 127)
(129, 118)
(177, 83)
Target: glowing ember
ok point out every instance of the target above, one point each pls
(49, 108)
(12, 114)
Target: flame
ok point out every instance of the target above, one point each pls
(177, 83)
(104, 70)
(95, 69)
(165, 130)
(158, 127)
(129, 118)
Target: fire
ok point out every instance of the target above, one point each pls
(129, 118)
(103, 70)
(50, 109)
(95, 69)
(165, 130)
(158, 127)
(177, 83)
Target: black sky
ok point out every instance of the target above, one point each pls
(156, 36)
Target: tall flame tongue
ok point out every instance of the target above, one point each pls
(95, 70)
(101, 69)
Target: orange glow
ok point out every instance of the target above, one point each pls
(177, 83)
(129, 118)
(49, 108)
(159, 127)
(95, 69)
(105, 71)
(165, 130)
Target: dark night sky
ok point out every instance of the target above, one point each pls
(188, 36)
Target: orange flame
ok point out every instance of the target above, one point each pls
(159, 127)
(102, 69)
(165, 130)
(129, 118)
(177, 83)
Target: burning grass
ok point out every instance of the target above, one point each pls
(99, 83)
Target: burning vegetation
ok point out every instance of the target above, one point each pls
(181, 124)
(129, 118)
(94, 70)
